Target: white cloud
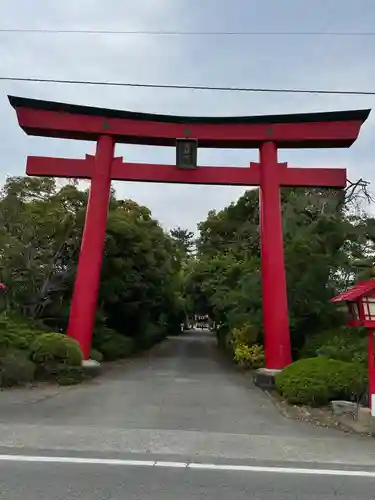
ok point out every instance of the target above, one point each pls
(305, 62)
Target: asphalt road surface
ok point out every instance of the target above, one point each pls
(179, 422)
(46, 481)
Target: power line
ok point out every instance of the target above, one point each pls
(189, 87)
(189, 33)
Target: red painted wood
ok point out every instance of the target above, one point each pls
(146, 172)
(371, 365)
(88, 127)
(312, 177)
(274, 293)
(60, 167)
(356, 291)
(86, 287)
(226, 176)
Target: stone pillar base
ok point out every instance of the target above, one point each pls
(92, 368)
(264, 378)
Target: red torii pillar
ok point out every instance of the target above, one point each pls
(274, 291)
(339, 129)
(86, 286)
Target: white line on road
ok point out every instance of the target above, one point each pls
(172, 465)
(186, 465)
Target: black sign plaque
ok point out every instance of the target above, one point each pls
(186, 153)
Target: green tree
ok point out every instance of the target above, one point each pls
(40, 237)
(326, 242)
(140, 284)
(184, 240)
(41, 227)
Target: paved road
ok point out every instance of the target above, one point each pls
(181, 402)
(94, 482)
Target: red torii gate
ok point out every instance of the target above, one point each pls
(266, 133)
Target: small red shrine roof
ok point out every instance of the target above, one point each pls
(356, 291)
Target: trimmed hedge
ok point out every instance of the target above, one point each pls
(96, 355)
(69, 375)
(316, 381)
(27, 353)
(112, 345)
(55, 348)
(16, 369)
(17, 333)
(343, 343)
(117, 347)
(55, 355)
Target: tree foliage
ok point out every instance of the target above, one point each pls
(184, 241)
(41, 227)
(328, 242)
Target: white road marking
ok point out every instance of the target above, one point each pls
(172, 465)
(186, 465)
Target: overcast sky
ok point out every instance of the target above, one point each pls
(252, 61)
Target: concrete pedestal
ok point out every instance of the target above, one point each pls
(91, 367)
(264, 378)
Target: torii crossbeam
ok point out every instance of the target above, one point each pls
(266, 133)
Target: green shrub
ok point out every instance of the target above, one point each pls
(28, 352)
(101, 334)
(96, 355)
(246, 334)
(69, 375)
(55, 349)
(345, 349)
(16, 369)
(251, 357)
(238, 343)
(155, 332)
(352, 381)
(316, 381)
(113, 345)
(61, 373)
(343, 343)
(152, 334)
(16, 333)
(117, 347)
